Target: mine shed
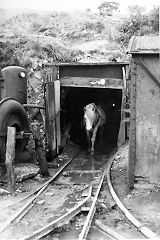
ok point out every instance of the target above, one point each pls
(71, 86)
(144, 143)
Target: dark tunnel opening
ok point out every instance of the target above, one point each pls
(73, 101)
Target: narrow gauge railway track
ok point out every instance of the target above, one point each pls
(28, 202)
(18, 226)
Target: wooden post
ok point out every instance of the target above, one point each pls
(52, 108)
(10, 155)
(121, 135)
(57, 113)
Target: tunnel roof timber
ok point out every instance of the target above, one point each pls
(88, 64)
(111, 83)
(144, 45)
(90, 75)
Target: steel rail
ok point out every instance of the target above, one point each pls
(109, 231)
(141, 227)
(91, 213)
(60, 221)
(22, 211)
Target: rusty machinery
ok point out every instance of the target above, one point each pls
(13, 98)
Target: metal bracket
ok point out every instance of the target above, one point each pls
(145, 68)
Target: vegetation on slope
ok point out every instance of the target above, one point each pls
(30, 39)
(65, 37)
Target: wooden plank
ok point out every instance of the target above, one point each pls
(88, 64)
(53, 110)
(132, 133)
(56, 109)
(115, 83)
(10, 155)
(121, 135)
(57, 113)
(50, 117)
(54, 72)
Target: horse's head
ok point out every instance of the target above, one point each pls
(90, 116)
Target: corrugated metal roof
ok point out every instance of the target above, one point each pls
(144, 44)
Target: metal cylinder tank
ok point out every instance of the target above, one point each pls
(15, 83)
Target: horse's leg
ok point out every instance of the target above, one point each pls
(101, 134)
(93, 139)
(88, 141)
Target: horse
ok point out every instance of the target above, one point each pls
(94, 119)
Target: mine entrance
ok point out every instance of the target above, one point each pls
(71, 86)
(73, 100)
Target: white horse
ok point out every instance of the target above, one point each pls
(94, 118)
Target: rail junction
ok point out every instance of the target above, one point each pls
(83, 176)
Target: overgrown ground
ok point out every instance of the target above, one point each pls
(33, 39)
(39, 37)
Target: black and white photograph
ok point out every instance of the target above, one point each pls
(79, 120)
